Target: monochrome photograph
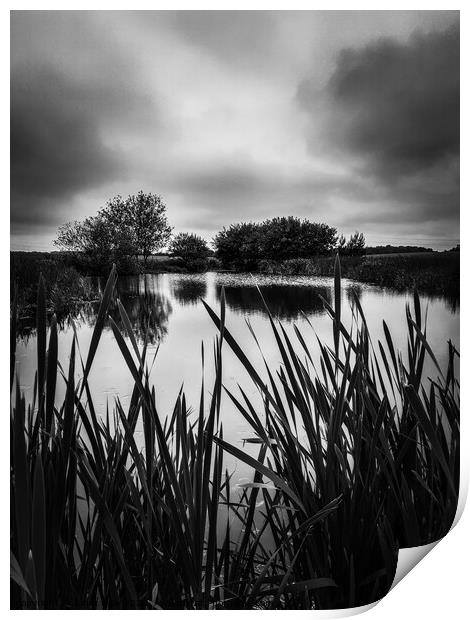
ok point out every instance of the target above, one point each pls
(234, 305)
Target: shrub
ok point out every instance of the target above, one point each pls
(192, 249)
(239, 245)
(280, 238)
(189, 246)
(283, 238)
(213, 264)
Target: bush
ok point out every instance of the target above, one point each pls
(284, 238)
(189, 246)
(192, 250)
(213, 264)
(281, 238)
(239, 245)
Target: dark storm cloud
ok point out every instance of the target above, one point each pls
(201, 107)
(56, 146)
(391, 110)
(397, 104)
(65, 100)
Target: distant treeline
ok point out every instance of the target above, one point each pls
(132, 232)
(395, 249)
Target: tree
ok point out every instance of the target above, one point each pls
(96, 244)
(356, 244)
(120, 233)
(91, 237)
(340, 244)
(284, 238)
(189, 246)
(192, 249)
(240, 244)
(142, 216)
(280, 238)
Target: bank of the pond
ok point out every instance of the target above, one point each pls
(429, 272)
(67, 281)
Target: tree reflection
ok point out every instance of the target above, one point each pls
(146, 305)
(188, 290)
(81, 314)
(285, 302)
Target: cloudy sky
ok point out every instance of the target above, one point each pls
(351, 118)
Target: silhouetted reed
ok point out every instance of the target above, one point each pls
(357, 455)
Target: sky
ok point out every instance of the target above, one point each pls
(349, 118)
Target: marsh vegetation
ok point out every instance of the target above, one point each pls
(354, 451)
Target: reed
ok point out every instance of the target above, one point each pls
(364, 425)
(358, 455)
(433, 273)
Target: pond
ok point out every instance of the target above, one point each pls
(170, 304)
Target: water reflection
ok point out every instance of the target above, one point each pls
(354, 291)
(146, 305)
(188, 290)
(285, 302)
(167, 307)
(82, 314)
(151, 299)
(451, 301)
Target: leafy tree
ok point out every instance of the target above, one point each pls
(143, 217)
(341, 243)
(356, 244)
(283, 238)
(96, 244)
(192, 249)
(240, 245)
(91, 237)
(189, 246)
(120, 233)
(280, 238)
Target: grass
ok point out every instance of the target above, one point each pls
(358, 455)
(429, 272)
(65, 288)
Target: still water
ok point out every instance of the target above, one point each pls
(170, 304)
